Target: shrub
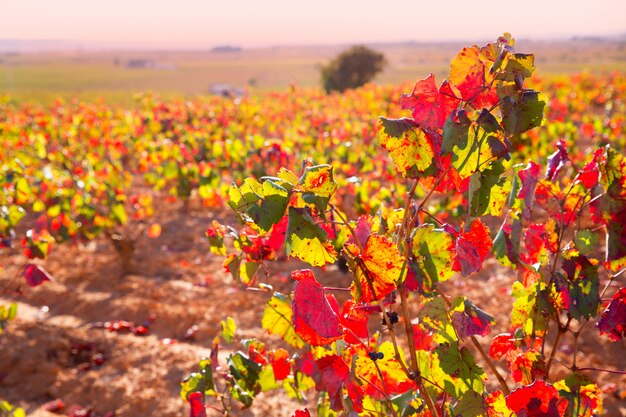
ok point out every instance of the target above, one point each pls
(352, 68)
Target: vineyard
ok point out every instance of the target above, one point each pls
(441, 248)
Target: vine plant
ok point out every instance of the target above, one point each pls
(399, 345)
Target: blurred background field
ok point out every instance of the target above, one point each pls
(115, 76)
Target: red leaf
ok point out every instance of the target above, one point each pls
(301, 413)
(529, 177)
(281, 365)
(363, 229)
(314, 319)
(537, 400)
(333, 375)
(354, 322)
(472, 321)
(527, 366)
(430, 106)
(35, 275)
(422, 338)
(196, 401)
(590, 173)
(501, 345)
(472, 247)
(277, 235)
(557, 161)
(613, 320)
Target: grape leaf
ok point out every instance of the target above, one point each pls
(522, 113)
(354, 322)
(613, 319)
(215, 235)
(470, 74)
(301, 413)
(35, 275)
(277, 319)
(529, 177)
(376, 269)
(264, 204)
(244, 377)
(501, 345)
(394, 380)
(539, 399)
(472, 247)
(332, 375)
(306, 240)
(469, 320)
(460, 365)
(229, 327)
(433, 250)
(471, 404)
(430, 106)
(490, 191)
(557, 161)
(201, 381)
(317, 186)
(527, 367)
(196, 403)
(281, 364)
(314, 319)
(579, 287)
(412, 149)
(473, 145)
(613, 178)
(496, 405)
(317, 180)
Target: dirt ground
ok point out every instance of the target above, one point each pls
(45, 354)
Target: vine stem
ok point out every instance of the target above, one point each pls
(559, 335)
(392, 335)
(487, 359)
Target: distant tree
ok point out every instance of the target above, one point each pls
(352, 68)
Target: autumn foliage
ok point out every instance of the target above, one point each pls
(399, 345)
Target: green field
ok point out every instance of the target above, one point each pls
(90, 75)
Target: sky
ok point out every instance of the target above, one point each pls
(190, 24)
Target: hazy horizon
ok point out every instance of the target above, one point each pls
(193, 24)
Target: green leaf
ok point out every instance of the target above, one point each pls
(278, 318)
(490, 191)
(473, 145)
(586, 242)
(461, 365)
(581, 284)
(201, 381)
(229, 327)
(518, 65)
(411, 148)
(434, 316)
(521, 113)
(267, 381)
(306, 240)
(471, 405)
(245, 374)
(434, 254)
(264, 204)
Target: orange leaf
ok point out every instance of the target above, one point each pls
(376, 270)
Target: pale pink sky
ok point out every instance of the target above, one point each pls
(196, 23)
